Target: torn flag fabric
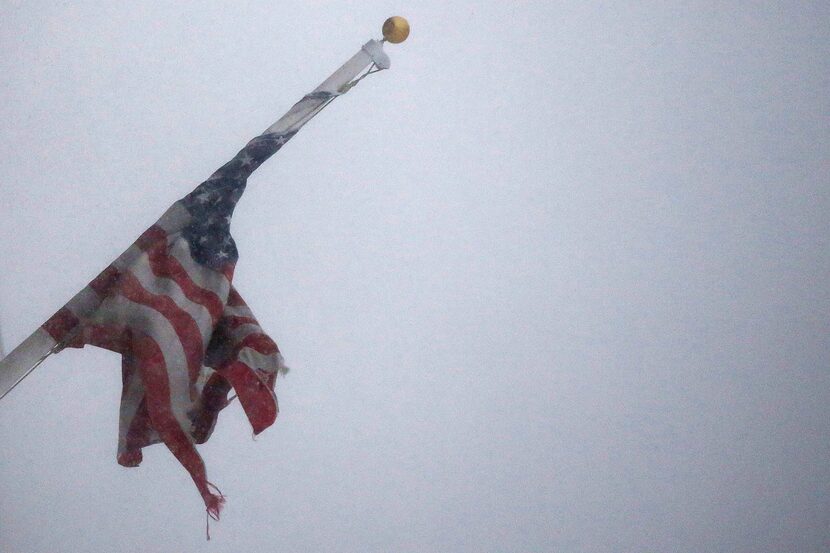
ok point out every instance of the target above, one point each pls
(187, 338)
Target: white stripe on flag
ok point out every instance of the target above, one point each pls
(83, 303)
(131, 399)
(257, 360)
(119, 311)
(238, 311)
(203, 277)
(174, 219)
(240, 332)
(168, 287)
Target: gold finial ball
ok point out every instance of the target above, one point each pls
(395, 29)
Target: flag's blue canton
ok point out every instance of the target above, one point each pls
(211, 204)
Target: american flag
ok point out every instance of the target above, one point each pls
(185, 335)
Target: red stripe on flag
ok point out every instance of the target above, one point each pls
(259, 342)
(112, 337)
(138, 436)
(234, 321)
(227, 270)
(154, 375)
(234, 299)
(256, 397)
(185, 327)
(103, 283)
(150, 236)
(60, 324)
(166, 266)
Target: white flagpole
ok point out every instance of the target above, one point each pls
(23, 359)
(336, 85)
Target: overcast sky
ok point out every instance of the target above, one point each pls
(557, 281)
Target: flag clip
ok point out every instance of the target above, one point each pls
(375, 50)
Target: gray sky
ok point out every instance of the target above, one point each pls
(555, 282)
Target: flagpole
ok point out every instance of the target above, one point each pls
(395, 30)
(23, 359)
(27, 356)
